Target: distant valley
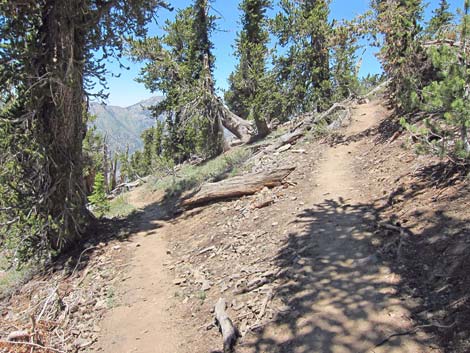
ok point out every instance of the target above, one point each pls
(123, 126)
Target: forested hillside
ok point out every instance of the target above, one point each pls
(334, 221)
(123, 126)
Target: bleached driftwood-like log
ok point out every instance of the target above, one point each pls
(227, 328)
(19, 336)
(248, 184)
(288, 138)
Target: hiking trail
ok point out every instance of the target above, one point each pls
(335, 295)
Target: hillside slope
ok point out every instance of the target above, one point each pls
(364, 248)
(324, 252)
(124, 126)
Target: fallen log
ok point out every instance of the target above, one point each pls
(377, 89)
(227, 329)
(288, 138)
(248, 184)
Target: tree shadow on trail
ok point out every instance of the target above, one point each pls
(337, 294)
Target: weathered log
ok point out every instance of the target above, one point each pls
(337, 123)
(227, 329)
(19, 336)
(377, 89)
(248, 184)
(289, 138)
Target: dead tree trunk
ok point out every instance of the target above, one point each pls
(113, 172)
(106, 166)
(241, 128)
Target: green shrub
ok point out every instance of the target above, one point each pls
(98, 198)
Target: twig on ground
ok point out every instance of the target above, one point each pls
(29, 344)
(79, 259)
(411, 332)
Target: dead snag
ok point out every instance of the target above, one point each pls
(248, 184)
(227, 329)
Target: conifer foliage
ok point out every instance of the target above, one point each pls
(429, 72)
(303, 70)
(47, 62)
(246, 96)
(441, 22)
(447, 97)
(98, 197)
(180, 65)
(401, 52)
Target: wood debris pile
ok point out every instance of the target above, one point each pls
(59, 311)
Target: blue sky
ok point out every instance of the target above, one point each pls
(124, 91)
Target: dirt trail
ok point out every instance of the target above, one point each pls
(340, 296)
(343, 297)
(144, 319)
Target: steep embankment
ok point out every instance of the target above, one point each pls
(310, 266)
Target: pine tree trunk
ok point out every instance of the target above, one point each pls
(106, 166)
(216, 110)
(261, 125)
(114, 174)
(58, 106)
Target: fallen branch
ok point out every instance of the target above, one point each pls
(80, 258)
(401, 230)
(18, 336)
(264, 305)
(267, 299)
(265, 278)
(227, 329)
(378, 88)
(411, 332)
(336, 124)
(337, 106)
(256, 283)
(289, 138)
(49, 298)
(29, 344)
(236, 187)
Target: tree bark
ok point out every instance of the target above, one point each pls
(58, 106)
(261, 125)
(106, 163)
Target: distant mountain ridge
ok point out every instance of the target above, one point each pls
(123, 126)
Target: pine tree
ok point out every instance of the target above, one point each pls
(48, 61)
(441, 20)
(98, 197)
(247, 91)
(448, 99)
(402, 55)
(344, 68)
(302, 28)
(180, 65)
(93, 163)
(125, 170)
